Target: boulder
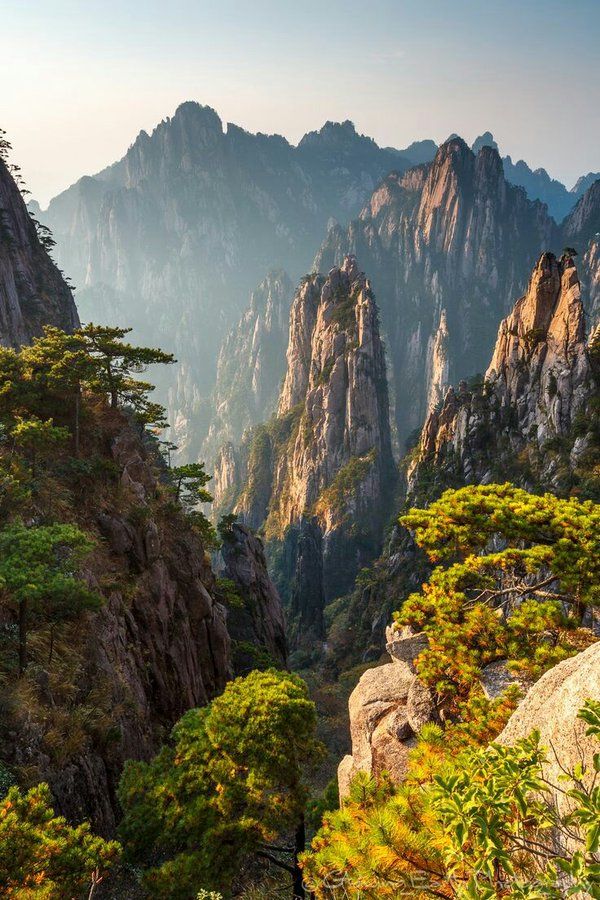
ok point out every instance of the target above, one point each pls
(420, 706)
(551, 707)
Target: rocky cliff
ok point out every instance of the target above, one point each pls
(32, 290)
(251, 364)
(448, 246)
(581, 230)
(169, 635)
(255, 615)
(551, 707)
(158, 646)
(173, 237)
(530, 418)
(388, 708)
(317, 477)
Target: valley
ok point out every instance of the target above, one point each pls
(296, 605)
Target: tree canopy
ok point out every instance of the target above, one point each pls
(229, 783)
(42, 856)
(37, 575)
(516, 573)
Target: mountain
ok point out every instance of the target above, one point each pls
(582, 228)
(317, 477)
(537, 183)
(447, 247)
(532, 420)
(33, 293)
(419, 152)
(172, 238)
(251, 364)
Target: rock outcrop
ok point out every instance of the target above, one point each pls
(447, 247)
(538, 385)
(388, 707)
(33, 292)
(551, 707)
(255, 615)
(325, 460)
(173, 237)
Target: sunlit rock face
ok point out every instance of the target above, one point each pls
(317, 478)
(537, 387)
(448, 246)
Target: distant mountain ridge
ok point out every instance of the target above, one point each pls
(172, 238)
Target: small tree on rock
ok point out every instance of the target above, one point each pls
(37, 576)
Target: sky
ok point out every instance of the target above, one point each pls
(81, 78)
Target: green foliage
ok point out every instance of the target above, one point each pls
(190, 482)
(7, 780)
(232, 777)
(116, 364)
(326, 802)
(225, 526)
(37, 576)
(228, 592)
(344, 311)
(479, 606)
(38, 440)
(481, 823)
(41, 856)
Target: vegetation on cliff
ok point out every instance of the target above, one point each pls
(477, 823)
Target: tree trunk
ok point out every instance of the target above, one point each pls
(299, 847)
(22, 636)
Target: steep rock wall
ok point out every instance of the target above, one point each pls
(33, 293)
(447, 247)
(537, 388)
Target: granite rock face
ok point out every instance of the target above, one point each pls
(158, 646)
(258, 619)
(538, 384)
(551, 707)
(172, 238)
(388, 707)
(447, 245)
(33, 292)
(324, 461)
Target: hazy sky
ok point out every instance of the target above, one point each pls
(80, 78)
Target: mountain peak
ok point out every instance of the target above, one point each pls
(334, 135)
(484, 140)
(194, 111)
